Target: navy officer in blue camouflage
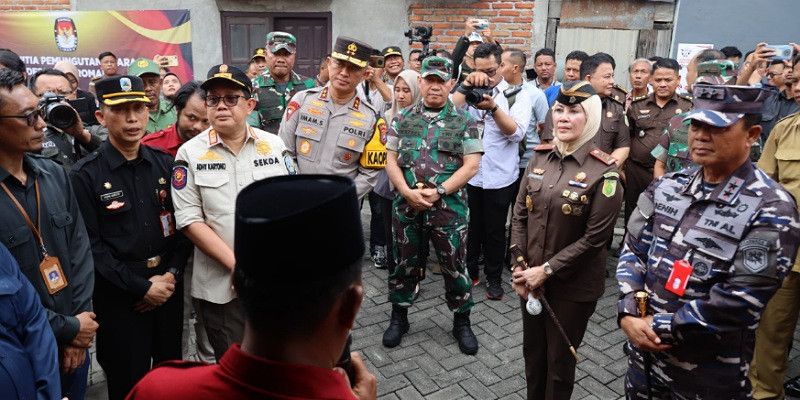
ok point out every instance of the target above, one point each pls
(707, 247)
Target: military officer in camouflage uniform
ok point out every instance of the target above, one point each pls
(433, 150)
(278, 83)
(709, 246)
(672, 151)
(326, 128)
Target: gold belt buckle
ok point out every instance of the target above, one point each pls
(153, 262)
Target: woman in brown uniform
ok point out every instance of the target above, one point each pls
(564, 215)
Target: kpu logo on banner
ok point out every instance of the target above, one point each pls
(66, 34)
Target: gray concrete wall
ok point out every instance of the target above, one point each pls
(736, 23)
(379, 23)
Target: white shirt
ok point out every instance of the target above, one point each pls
(499, 165)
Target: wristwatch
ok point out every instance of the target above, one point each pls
(440, 189)
(548, 270)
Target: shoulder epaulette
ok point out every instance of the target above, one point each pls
(85, 160)
(640, 98)
(544, 147)
(620, 88)
(617, 100)
(604, 157)
(686, 96)
(797, 114)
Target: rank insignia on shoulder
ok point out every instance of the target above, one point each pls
(107, 185)
(603, 156)
(538, 171)
(544, 147)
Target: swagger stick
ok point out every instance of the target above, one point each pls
(519, 257)
(641, 298)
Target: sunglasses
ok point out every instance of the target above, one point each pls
(30, 117)
(229, 100)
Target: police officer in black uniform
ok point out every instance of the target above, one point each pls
(123, 192)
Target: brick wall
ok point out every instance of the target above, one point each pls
(34, 5)
(511, 20)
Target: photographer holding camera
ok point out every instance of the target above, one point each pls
(491, 191)
(65, 139)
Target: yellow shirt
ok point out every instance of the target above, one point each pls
(781, 158)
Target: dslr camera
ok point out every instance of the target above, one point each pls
(57, 112)
(474, 95)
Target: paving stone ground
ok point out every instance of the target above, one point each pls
(428, 364)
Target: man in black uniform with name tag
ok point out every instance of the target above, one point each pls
(124, 195)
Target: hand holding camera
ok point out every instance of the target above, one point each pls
(477, 91)
(59, 114)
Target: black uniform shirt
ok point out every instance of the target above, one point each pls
(64, 235)
(121, 202)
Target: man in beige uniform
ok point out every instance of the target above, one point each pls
(210, 170)
(326, 128)
(781, 161)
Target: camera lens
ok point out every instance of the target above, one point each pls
(60, 115)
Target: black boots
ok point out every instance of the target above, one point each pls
(467, 342)
(398, 326)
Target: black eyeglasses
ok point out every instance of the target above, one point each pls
(229, 100)
(30, 117)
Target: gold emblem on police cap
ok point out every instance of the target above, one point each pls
(262, 147)
(223, 68)
(352, 48)
(107, 185)
(566, 209)
(572, 99)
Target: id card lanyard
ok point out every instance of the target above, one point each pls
(50, 267)
(34, 228)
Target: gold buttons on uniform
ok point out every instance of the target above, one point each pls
(566, 209)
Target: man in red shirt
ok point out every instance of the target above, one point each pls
(299, 309)
(191, 107)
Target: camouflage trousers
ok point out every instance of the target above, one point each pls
(697, 382)
(446, 226)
